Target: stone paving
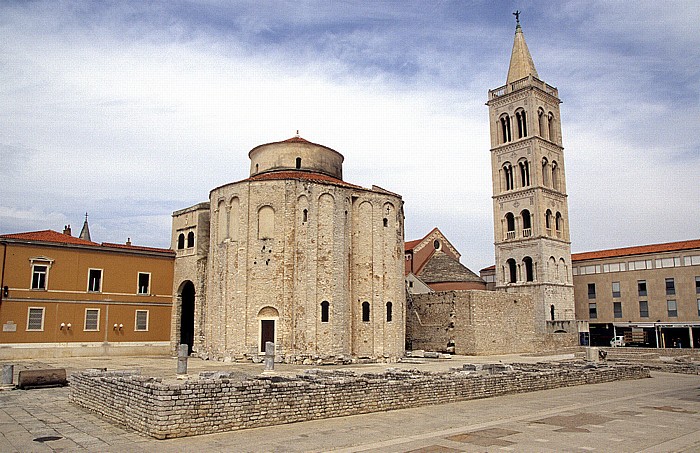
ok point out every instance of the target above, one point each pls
(657, 414)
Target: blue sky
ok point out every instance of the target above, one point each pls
(131, 110)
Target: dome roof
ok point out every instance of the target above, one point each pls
(296, 154)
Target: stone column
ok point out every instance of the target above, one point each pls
(182, 359)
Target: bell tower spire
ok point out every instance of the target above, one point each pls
(531, 228)
(521, 64)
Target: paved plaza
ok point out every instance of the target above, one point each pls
(655, 415)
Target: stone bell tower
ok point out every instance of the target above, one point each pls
(531, 228)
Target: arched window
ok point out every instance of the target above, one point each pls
(325, 309)
(389, 313)
(181, 241)
(551, 312)
(559, 221)
(541, 121)
(529, 269)
(512, 270)
(365, 311)
(505, 128)
(298, 163)
(524, 173)
(386, 222)
(190, 239)
(266, 222)
(548, 221)
(555, 175)
(510, 226)
(223, 221)
(522, 123)
(552, 271)
(545, 172)
(527, 223)
(508, 176)
(550, 126)
(305, 215)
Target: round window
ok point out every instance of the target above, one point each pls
(436, 244)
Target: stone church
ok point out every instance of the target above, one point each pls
(294, 255)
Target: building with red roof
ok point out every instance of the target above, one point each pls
(292, 255)
(65, 295)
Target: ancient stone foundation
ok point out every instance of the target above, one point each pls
(218, 402)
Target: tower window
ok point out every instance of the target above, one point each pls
(558, 220)
(522, 123)
(386, 222)
(190, 239)
(298, 163)
(505, 128)
(541, 122)
(181, 241)
(529, 269)
(550, 126)
(365, 311)
(527, 225)
(510, 225)
(524, 173)
(512, 270)
(545, 172)
(325, 309)
(305, 216)
(508, 175)
(555, 176)
(389, 314)
(548, 221)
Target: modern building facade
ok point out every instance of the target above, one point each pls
(67, 296)
(292, 255)
(649, 294)
(531, 232)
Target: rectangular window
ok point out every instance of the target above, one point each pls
(640, 265)
(672, 308)
(697, 285)
(35, 318)
(95, 280)
(141, 323)
(668, 262)
(144, 283)
(591, 290)
(642, 287)
(692, 260)
(616, 289)
(670, 287)
(643, 309)
(92, 319)
(592, 311)
(698, 307)
(617, 309)
(39, 276)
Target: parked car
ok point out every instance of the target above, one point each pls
(617, 341)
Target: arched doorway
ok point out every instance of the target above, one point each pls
(268, 317)
(187, 315)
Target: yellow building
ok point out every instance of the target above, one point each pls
(68, 296)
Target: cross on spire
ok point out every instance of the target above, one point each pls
(517, 17)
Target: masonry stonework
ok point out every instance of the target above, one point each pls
(298, 257)
(221, 403)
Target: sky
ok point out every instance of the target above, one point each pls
(131, 110)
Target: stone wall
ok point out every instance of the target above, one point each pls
(220, 403)
(474, 323)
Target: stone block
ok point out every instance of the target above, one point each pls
(42, 378)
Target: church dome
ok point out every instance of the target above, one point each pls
(296, 154)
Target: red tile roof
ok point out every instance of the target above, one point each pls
(637, 250)
(55, 237)
(301, 175)
(49, 236)
(137, 247)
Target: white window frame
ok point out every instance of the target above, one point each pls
(138, 283)
(85, 320)
(35, 272)
(102, 274)
(43, 316)
(136, 320)
(40, 261)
